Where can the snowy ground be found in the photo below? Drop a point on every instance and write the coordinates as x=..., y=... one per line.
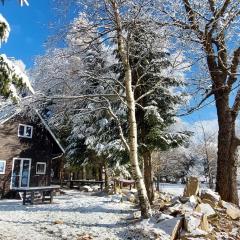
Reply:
x=69, y=217
x=75, y=214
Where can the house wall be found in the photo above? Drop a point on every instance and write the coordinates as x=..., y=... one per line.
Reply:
x=39, y=148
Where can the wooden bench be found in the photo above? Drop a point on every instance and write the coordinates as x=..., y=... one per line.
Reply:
x=124, y=182
x=46, y=193
x=84, y=182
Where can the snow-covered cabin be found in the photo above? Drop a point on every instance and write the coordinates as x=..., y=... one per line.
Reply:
x=30, y=154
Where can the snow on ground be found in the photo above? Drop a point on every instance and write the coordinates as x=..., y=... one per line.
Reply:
x=76, y=214
x=70, y=216
x=177, y=189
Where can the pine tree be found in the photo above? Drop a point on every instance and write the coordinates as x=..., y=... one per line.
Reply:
x=12, y=78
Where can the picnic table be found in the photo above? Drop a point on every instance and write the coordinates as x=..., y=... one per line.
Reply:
x=84, y=182
x=45, y=191
x=125, y=182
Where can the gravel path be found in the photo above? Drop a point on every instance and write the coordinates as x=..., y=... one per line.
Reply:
x=69, y=217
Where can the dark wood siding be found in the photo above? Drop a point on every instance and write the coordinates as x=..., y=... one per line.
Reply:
x=40, y=148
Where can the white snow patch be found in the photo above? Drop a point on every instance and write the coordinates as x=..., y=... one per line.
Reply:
x=70, y=216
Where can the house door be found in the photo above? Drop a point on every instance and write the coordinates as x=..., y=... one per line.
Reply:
x=21, y=172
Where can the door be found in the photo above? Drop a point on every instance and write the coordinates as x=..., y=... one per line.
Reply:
x=21, y=172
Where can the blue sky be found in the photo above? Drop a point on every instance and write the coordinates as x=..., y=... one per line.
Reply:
x=29, y=31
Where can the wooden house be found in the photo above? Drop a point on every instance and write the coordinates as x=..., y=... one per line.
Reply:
x=30, y=154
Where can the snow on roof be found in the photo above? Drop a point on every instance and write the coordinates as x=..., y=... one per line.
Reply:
x=9, y=111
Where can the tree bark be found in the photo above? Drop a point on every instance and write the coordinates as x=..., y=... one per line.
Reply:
x=106, y=177
x=133, y=145
x=148, y=175
x=226, y=183
x=142, y=193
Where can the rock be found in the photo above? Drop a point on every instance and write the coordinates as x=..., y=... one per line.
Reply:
x=192, y=221
x=223, y=204
x=212, y=204
x=233, y=212
x=117, y=198
x=210, y=197
x=171, y=227
x=131, y=198
x=58, y=222
x=204, y=225
x=137, y=215
x=183, y=199
x=85, y=237
x=176, y=207
x=197, y=234
x=206, y=209
x=134, y=191
x=86, y=188
x=164, y=217
x=95, y=188
x=165, y=197
x=192, y=187
x=193, y=200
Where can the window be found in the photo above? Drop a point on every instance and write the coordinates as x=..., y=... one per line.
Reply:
x=21, y=169
x=2, y=166
x=25, y=131
x=41, y=168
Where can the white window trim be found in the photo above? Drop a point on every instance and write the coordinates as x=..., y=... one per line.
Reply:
x=25, y=129
x=30, y=163
x=4, y=168
x=45, y=167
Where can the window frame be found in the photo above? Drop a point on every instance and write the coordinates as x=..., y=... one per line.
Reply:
x=4, y=167
x=25, y=130
x=20, y=173
x=45, y=168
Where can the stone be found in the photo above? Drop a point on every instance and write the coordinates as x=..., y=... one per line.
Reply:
x=117, y=198
x=137, y=215
x=208, y=201
x=192, y=221
x=206, y=209
x=224, y=204
x=85, y=237
x=165, y=197
x=58, y=222
x=86, y=188
x=131, y=198
x=211, y=197
x=204, y=225
x=96, y=188
x=164, y=217
x=134, y=191
x=183, y=199
x=197, y=234
x=192, y=187
x=193, y=201
x=233, y=212
x=171, y=227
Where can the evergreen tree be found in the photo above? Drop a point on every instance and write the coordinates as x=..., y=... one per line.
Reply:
x=12, y=78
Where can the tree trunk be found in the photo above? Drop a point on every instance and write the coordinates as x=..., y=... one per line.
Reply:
x=142, y=193
x=106, y=177
x=84, y=172
x=226, y=183
x=148, y=175
x=133, y=145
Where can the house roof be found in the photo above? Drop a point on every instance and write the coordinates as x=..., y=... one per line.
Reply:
x=50, y=131
x=9, y=111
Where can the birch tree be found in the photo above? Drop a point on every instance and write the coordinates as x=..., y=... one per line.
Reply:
x=108, y=19
x=209, y=30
